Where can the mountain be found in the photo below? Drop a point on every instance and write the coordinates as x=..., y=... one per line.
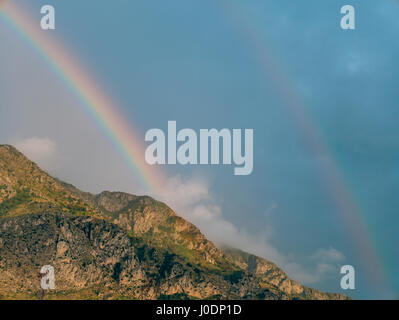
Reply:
x=116, y=245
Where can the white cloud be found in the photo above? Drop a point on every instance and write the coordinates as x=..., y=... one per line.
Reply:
x=321, y=264
x=328, y=255
x=40, y=150
x=191, y=200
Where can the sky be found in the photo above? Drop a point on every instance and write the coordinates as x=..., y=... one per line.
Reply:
x=322, y=101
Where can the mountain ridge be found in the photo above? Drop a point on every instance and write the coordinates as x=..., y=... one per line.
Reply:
x=160, y=254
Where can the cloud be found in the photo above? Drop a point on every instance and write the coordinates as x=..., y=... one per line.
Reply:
x=191, y=199
x=352, y=63
x=328, y=255
x=271, y=208
x=320, y=265
x=40, y=150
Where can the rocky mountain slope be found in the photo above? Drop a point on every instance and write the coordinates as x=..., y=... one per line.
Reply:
x=117, y=246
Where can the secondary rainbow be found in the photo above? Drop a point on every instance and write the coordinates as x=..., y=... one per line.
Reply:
x=99, y=106
x=348, y=208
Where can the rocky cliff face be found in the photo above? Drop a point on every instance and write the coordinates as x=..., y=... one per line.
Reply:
x=116, y=245
x=95, y=259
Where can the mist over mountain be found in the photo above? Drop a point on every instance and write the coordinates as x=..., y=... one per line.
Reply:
x=115, y=245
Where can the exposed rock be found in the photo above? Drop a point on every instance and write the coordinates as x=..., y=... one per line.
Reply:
x=117, y=246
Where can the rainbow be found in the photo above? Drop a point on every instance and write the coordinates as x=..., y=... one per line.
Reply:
x=99, y=106
x=128, y=143
x=347, y=207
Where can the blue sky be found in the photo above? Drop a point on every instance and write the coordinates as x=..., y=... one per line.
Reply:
x=212, y=64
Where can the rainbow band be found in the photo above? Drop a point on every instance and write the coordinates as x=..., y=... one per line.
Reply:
x=95, y=102
x=128, y=143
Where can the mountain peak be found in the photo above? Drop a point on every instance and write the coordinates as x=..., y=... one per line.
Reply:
x=25, y=188
x=10, y=156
